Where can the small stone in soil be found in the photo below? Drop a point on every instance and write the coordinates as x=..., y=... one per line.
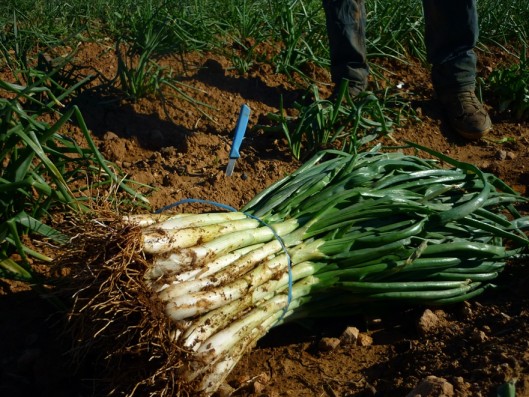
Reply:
x=350, y=335
x=328, y=344
x=501, y=154
x=109, y=136
x=479, y=336
x=433, y=386
x=169, y=151
x=364, y=340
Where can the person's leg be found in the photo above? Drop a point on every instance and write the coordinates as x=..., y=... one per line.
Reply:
x=451, y=33
x=346, y=30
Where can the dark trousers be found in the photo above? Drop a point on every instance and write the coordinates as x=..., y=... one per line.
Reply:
x=451, y=33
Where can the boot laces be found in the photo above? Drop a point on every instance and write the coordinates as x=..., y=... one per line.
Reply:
x=469, y=102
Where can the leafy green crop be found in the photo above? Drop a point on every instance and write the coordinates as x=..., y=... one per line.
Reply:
x=41, y=167
x=342, y=122
x=510, y=88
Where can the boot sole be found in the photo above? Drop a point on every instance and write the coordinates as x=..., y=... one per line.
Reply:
x=475, y=135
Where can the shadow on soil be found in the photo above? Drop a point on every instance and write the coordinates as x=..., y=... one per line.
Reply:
x=35, y=355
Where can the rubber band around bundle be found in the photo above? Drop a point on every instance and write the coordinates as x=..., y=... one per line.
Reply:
x=229, y=208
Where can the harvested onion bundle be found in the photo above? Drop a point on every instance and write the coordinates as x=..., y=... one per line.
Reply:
x=342, y=231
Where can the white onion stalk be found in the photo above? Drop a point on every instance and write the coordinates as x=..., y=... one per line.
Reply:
x=197, y=274
x=224, y=348
x=354, y=229
x=223, y=340
x=213, y=321
x=198, y=220
x=159, y=240
x=199, y=255
x=185, y=301
x=221, y=344
x=219, y=263
x=144, y=220
x=185, y=306
x=218, y=372
x=235, y=268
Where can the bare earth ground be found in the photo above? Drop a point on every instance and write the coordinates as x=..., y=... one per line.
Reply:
x=476, y=346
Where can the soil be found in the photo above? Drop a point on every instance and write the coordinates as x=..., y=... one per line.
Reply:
x=181, y=151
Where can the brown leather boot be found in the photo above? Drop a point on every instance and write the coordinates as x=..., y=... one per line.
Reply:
x=466, y=114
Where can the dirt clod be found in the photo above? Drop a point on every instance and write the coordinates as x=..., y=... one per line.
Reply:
x=364, y=340
x=479, y=336
x=328, y=344
x=433, y=386
x=428, y=322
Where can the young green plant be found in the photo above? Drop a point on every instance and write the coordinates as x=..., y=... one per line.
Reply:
x=40, y=166
x=340, y=122
x=509, y=87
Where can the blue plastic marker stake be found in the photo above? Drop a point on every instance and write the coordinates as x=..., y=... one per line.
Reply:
x=240, y=130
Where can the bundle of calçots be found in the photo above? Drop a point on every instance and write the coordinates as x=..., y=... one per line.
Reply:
x=341, y=233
